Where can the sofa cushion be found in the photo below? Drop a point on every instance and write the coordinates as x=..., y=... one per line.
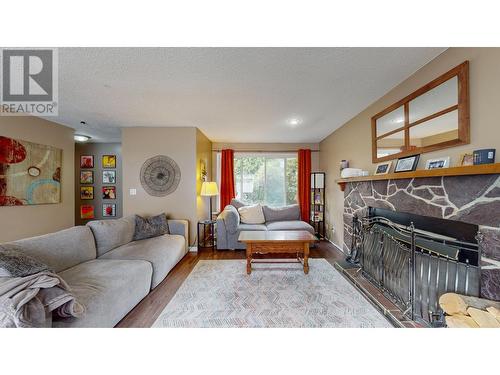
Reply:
x=285, y=213
x=150, y=227
x=252, y=214
x=162, y=252
x=59, y=250
x=290, y=225
x=108, y=289
x=252, y=227
x=109, y=234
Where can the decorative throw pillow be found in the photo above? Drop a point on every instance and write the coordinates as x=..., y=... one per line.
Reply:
x=236, y=203
x=252, y=214
x=286, y=213
x=14, y=263
x=151, y=227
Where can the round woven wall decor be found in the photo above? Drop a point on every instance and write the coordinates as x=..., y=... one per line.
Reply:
x=160, y=176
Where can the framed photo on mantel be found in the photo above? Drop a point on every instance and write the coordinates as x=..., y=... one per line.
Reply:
x=407, y=164
x=383, y=168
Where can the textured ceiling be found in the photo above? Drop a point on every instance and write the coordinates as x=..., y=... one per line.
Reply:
x=231, y=94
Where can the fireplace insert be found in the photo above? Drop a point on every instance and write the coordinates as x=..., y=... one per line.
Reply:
x=414, y=259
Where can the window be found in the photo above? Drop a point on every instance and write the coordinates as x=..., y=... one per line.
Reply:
x=266, y=178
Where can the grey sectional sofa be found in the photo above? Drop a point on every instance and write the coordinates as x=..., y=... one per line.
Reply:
x=229, y=224
x=108, y=272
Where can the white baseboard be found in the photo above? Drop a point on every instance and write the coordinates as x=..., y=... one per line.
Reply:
x=334, y=244
x=193, y=249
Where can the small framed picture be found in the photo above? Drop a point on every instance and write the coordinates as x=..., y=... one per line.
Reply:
x=109, y=177
x=383, y=168
x=87, y=161
x=109, y=210
x=86, y=192
x=437, y=163
x=86, y=177
x=407, y=164
x=109, y=161
x=86, y=211
x=467, y=159
x=109, y=192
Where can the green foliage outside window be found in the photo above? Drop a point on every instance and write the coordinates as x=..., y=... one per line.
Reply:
x=266, y=179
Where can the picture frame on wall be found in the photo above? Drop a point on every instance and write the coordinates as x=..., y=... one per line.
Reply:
x=86, y=192
x=109, y=210
x=109, y=192
x=109, y=161
x=109, y=177
x=86, y=211
x=87, y=161
x=86, y=177
x=383, y=168
x=438, y=163
x=407, y=164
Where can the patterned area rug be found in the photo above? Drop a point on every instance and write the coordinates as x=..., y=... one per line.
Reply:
x=219, y=293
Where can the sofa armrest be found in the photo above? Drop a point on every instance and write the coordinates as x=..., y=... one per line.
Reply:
x=231, y=219
x=179, y=227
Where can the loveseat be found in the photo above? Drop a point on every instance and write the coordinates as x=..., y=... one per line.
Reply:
x=107, y=271
x=229, y=223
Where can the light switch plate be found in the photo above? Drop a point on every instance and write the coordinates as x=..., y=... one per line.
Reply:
x=133, y=192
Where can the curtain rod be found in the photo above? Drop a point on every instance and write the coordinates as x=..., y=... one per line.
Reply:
x=263, y=151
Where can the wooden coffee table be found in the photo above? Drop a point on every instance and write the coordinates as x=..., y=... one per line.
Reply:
x=277, y=242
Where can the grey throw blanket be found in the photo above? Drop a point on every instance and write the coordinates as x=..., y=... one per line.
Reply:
x=31, y=301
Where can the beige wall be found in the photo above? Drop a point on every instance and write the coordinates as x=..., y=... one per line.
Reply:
x=19, y=222
x=353, y=140
x=138, y=145
x=203, y=152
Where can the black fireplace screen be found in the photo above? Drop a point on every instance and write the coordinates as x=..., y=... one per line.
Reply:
x=414, y=267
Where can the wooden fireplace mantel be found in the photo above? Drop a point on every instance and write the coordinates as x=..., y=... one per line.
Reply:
x=454, y=171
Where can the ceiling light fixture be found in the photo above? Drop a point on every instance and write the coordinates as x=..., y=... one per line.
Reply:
x=81, y=138
x=294, y=121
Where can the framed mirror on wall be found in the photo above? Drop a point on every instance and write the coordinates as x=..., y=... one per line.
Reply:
x=434, y=117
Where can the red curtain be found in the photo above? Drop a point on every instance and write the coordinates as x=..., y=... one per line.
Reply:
x=227, y=178
x=304, y=184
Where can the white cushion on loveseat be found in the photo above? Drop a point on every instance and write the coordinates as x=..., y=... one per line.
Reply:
x=252, y=214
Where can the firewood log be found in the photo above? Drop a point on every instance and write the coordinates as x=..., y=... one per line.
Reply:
x=453, y=304
x=483, y=318
x=460, y=321
x=495, y=312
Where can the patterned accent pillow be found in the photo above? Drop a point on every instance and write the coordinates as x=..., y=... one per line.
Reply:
x=151, y=227
x=14, y=263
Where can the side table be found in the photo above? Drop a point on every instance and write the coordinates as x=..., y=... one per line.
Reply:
x=207, y=234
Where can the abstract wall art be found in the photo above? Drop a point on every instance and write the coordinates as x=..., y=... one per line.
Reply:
x=30, y=173
x=109, y=161
x=86, y=192
x=109, y=210
x=87, y=161
x=160, y=176
x=86, y=211
x=86, y=177
x=108, y=192
x=108, y=177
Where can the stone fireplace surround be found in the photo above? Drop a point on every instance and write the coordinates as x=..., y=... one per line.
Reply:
x=472, y=199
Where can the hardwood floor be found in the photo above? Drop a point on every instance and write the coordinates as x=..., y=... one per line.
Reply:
x=148, y=310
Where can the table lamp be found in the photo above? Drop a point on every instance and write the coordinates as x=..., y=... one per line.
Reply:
x=209, y=189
